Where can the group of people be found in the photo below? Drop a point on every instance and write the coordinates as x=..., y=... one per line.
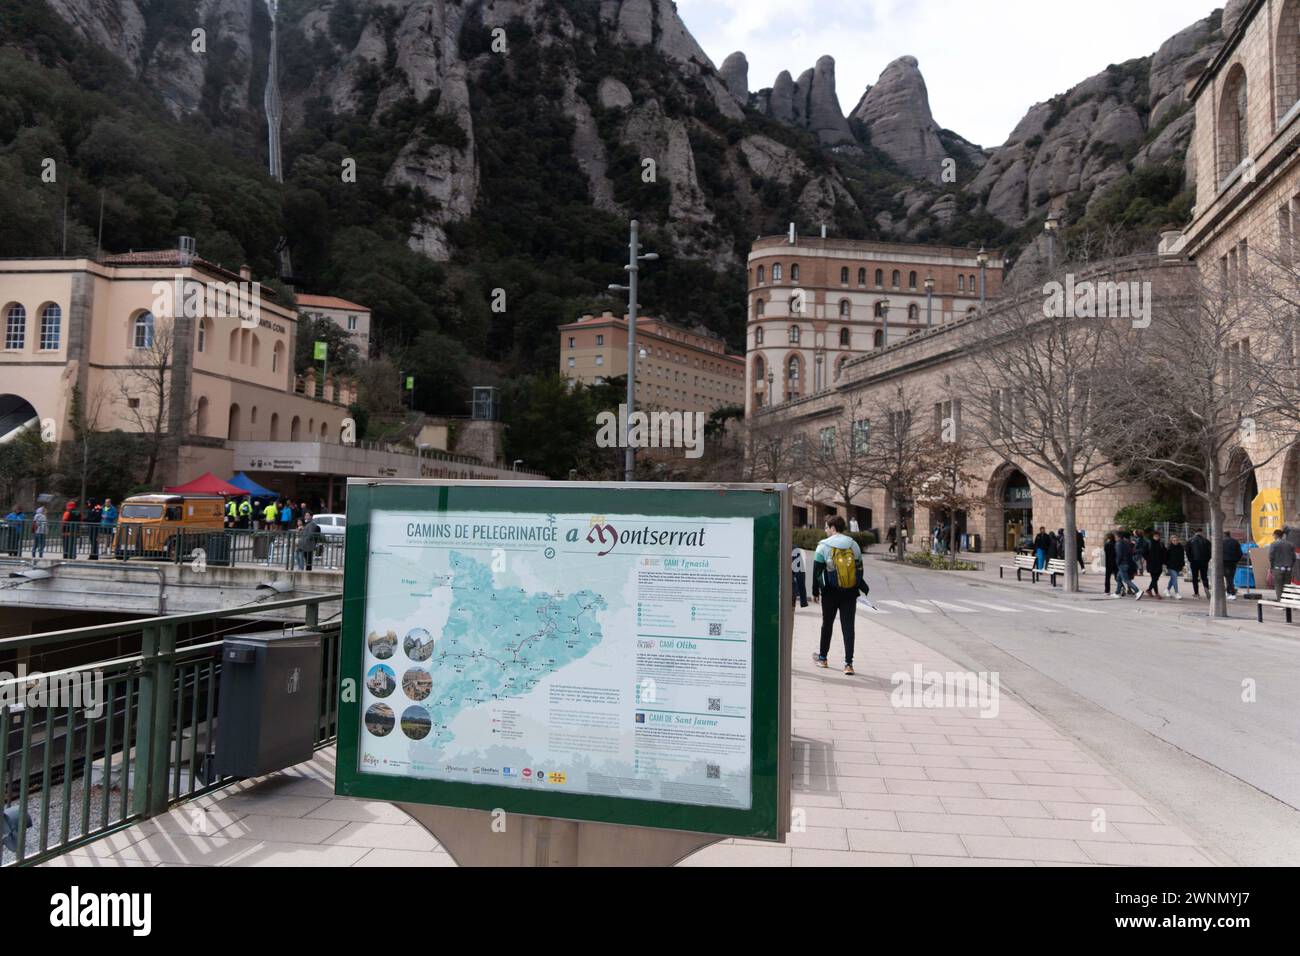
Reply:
x=279, y=514
x=1130, y=554
x=1051, y=547
x=97, y=523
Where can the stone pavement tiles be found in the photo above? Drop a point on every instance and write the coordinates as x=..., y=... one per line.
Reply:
x=874, y=785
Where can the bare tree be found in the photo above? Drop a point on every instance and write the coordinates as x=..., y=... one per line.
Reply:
x=85, y=414
x=838, y=454
x=894, y=461
x=1220, y=375
x=772, y=448
x=1037, y=386
x=143, y=392
x=949, y=479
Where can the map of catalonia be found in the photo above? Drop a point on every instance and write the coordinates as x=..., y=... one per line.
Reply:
x=499, y=642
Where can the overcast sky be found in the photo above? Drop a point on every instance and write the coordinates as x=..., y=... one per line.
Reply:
x=985, y=63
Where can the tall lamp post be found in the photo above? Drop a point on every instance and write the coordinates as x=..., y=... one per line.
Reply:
x=929, y=301
x=821, y=382
x=983, y=260
x=1051, y=227
x=771, y=384
x=634, y=258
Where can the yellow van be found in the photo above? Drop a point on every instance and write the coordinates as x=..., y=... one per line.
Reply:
x=148, y=524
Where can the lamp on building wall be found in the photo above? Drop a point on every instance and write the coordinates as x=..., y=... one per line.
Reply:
x=929, y=301
x=983, y=260
x=1051, y=227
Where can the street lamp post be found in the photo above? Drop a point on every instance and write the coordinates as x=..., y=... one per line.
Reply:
x=771, y=384
x=1050, y=227
x=929, y=301
x=983, y=260
x=821, y=382
x=634, y=258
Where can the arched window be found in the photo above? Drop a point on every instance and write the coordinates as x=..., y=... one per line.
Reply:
x=257, y=351
x=275, y=426
x=844, y=338
x=760, y=275
x=294, y=427
x=232, y=431
x=862, y=277
x=201, y=416
x=882, y=310
x=758, y=335
x=911, y=280
x=839, y=366
x=794, y=335
x=15, y=328
x=1234, y=136
x=277, y=356
x=880, y=278
x=1288, y=58
x=794, y=272
x=203, y=336
x=844, y=275
x=970, y=283
x=324, y=430
x=913, y=312
x=759, y=307
x=234, y=345
x=961, y=283
x=252, y=416
x=776, y=272
x=894, y=278
x=846, y=308
x=878, y=339
x=792, y=370
x=142, y=331
x=51, y=328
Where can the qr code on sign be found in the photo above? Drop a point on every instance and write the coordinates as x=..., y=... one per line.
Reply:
x=715, y=703
x=715, y=629
x=712, y=772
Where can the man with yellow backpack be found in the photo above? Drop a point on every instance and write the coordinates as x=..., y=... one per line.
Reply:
x=837, y=569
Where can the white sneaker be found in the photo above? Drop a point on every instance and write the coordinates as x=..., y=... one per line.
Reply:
x=1232, y=597
x=1140, y=595
x=1117, y=595
x=1177, y=596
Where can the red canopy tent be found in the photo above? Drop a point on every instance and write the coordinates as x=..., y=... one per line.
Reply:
x=207, y=484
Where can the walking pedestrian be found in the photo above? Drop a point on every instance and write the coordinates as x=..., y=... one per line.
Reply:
x=892, y=538
x=68, y=529
x=1198, y=563
x=800, y=592
x=14, y=531
x=40, y=525
x=1155, y=564
x=1126, y=567
x=1281, y=561
x=94, y=518
x=838, y=565
x=308, y=531
x=1108, y=550
x=1231, y=558
x=1141, y=547
x=1079, y=546
x=1175, y=561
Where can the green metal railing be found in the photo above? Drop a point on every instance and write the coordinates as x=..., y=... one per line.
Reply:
x=80, y=541
x=79, y=775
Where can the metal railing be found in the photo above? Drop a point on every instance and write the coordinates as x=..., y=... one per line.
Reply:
x=215, y=546
x=78, y=773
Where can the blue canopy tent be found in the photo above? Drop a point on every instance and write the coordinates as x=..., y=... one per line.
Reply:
x=242, y=480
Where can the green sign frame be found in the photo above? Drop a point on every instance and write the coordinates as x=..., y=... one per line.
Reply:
x=768, y=505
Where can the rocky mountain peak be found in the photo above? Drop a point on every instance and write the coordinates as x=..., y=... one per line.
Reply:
x=896, y=114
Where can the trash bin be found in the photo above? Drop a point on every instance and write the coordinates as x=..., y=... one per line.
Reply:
x=216, y=548
x=270, y=695
x=261, y=547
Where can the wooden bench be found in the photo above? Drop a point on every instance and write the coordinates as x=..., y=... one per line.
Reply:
x=1021, y=562
x=1290, y=602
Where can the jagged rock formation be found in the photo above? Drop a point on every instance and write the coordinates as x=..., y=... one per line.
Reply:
x=896, y=114
x=809, y=103
x=735, y=73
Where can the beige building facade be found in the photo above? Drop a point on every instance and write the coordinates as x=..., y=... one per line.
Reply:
x=678, y=369
x=351, y=318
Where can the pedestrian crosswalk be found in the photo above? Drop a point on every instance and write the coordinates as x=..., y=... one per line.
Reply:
x=965, y=606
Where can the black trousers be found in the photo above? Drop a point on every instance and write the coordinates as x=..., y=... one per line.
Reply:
x=1111, y=575
x=1155, y=571
x=843, y=602
x=800, y=588
x=1200, y=575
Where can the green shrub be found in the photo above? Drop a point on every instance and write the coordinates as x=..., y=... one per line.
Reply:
x=1148, y=514
x=937, y=562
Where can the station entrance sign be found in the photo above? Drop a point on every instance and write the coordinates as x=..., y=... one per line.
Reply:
x=608, y=653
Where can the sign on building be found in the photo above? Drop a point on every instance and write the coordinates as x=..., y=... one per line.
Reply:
x=607, y=653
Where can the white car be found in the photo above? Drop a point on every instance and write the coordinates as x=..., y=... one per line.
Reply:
x=332, y=525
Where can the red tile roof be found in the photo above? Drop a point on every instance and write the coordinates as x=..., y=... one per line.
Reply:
x=330, y=302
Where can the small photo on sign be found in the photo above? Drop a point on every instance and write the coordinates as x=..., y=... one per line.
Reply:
x=382, y=646
x=416, y=722
x=380, y=720
x=418, y=645
x=417, y=683
x=381, y=681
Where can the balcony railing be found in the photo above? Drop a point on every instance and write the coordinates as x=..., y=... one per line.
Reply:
x=78, y=775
